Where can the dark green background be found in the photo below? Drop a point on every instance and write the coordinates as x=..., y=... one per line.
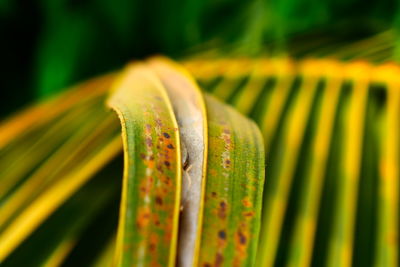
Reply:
x=48, y=45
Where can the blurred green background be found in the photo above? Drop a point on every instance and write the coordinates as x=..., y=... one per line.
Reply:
x=49, y=45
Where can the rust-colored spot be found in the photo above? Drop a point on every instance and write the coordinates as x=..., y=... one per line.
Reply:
x=151, y=164
x=166, y=135
x=167, y=163
x=227, y=162
x=248, y=214
x=213, y=172
x=213, y=194
x=246, y=202
x=222, y=234
x=168, y=230
x=166, y=180
x=170, y=146
x=159, y=200
x=146, y=184
x=153, y=242
x=143, y=217
x=206, y=265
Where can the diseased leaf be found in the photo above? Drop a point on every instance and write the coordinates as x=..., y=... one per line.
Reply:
x=234, y=185
x=190, y=111
x=148, y=226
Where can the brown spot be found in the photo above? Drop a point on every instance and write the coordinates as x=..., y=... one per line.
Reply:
x=206, y=265
x=167, y=180
x=222, y=210
x=170, y=146
x=153, y=242
x=213, y=194
x=159, y=200
x=242, y=238
x=159, y=167
x=166, y=135
x=146, y=184
x=148, y=141
x=219, y=259
x=248, y=214
x=222, y=234
x=167, y=163
x=142, y=155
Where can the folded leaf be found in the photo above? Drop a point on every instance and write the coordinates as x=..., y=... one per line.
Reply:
x=148, y=226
